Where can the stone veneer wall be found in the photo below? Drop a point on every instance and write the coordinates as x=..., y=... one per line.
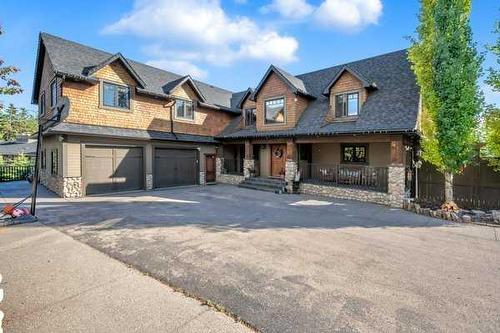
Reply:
x=225, y=178
x=346, y=193
x=202, y=178
x=394, y=197
x=149, y=181
x=66, y=187
x=291, y=168
x=247, y=166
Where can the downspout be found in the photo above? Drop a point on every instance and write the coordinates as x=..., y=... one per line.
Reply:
x=172, y=119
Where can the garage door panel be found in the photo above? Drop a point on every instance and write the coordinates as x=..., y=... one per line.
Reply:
x=174, y=167
x=111, y=169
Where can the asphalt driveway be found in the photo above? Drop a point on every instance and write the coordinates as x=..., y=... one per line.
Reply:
x=290, y=263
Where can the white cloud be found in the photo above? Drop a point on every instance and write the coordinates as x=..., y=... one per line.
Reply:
x=348, y=14
x=204, y=28
x=179, y=66
x=291, y=9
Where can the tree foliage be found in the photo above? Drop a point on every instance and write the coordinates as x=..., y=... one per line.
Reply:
x=447, y=67
x=15, y=121
x=8, y=85
x=491, y=130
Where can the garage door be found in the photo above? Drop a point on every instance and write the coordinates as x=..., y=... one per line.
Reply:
x=112, y=169
x=174, y=167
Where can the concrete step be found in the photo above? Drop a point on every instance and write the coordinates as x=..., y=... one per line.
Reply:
x=266, y=188
x=265, y=181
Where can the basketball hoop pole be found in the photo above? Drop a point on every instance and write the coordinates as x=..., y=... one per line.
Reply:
x=36, y=175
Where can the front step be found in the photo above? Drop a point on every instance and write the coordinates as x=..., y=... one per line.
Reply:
x=276, y=185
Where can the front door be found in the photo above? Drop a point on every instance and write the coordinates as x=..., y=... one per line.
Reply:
x=278, y=155
x=210, y=168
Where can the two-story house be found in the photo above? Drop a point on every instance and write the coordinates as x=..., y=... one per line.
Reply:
x=344, y=131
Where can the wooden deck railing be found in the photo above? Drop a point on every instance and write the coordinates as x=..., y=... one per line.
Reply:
x=232, y=166
x=355, y=176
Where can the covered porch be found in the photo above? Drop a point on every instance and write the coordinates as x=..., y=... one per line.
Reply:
x=362, y=167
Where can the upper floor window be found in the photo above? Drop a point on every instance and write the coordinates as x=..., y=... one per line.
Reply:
x=347, y=104
x=184, y=109
x=41, y=104
x=354, y=154
x=53, y=93
x=115, y=96
x=250, y=116
x=274, y=110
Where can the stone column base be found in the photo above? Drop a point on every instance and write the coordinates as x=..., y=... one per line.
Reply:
x=149, y=181
x=290, y=174
x=396, y=185
x=247, y=166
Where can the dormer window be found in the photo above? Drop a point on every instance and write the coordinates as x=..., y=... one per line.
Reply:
x=347, y=104
x=184, y=109
x=250, y=116
x=274, y=110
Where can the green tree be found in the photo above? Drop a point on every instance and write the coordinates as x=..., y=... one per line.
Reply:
x=21, y=160
x=15, y=121
x=8, y=86
x=450, y=90
x=491, y=130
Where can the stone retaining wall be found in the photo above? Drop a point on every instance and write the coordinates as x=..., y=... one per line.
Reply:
x=230, y=179
x=346, y=193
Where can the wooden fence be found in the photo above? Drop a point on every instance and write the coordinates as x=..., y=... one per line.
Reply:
x=478, y=187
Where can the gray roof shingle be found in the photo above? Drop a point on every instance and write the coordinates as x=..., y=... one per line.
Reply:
x=75, y=59
x=392, y=107
x=12, y=148
x=127, y=133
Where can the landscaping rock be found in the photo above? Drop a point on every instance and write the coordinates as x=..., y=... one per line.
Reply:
x=426, y=211
x=496, y=216
x=417, y=208
x=455, y=217
x=466, y=219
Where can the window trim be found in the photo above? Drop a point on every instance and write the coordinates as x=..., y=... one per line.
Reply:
x=245, y=116
x=52, y=95
x=43, y=159
x=192, y=106
x=354, y=145
x=41, y=108
x=346, y=94
x=54, y=167
x=114, y=108
x=284, y=109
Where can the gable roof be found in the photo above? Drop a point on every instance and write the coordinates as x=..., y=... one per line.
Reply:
x=392, y=107
x=170, y=87
x=360, y=77
x=294, y=83
x=73, y=60
x=116, y=57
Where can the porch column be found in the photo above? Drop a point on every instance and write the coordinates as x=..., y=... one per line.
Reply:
x=219, y=163
x=248, y=162
x=396, y=173
x=290, y=164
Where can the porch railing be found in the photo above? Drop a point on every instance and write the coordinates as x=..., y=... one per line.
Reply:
x=10, y=173
x=232, y=166
x=355, y=176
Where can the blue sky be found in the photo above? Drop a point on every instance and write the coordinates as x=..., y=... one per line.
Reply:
x=228, y=43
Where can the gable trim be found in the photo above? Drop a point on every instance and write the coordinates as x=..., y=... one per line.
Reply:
x=118, y=56
x=275, y=70
x=344, y=69
x=170, y=87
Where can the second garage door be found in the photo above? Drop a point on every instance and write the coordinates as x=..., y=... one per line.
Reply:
x=175, y=167
x=112, y=169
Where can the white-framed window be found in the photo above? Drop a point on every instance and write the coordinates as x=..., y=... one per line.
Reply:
x=115, y=96
x=41, y=104
x=184, y=109
x=53, y=93
x=347, y=104
x=274, y=110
